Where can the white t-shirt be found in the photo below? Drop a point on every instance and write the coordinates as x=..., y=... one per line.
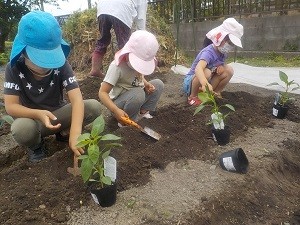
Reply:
x=125, y=10
x=122, y=78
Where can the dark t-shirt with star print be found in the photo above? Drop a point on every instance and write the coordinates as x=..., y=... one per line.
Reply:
x=46, y=93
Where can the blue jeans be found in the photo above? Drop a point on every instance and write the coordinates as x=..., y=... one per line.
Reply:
x=187, y=84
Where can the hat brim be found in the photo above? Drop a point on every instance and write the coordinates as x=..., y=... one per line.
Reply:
x=53, y=58
x=16, y=50
x=142, y=66
x=120, y=54
x=216, y=35
x=235, y=40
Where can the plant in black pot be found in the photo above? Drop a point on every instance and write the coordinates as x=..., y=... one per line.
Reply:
x=220, y=132
x=97, y=168
x=283, y=98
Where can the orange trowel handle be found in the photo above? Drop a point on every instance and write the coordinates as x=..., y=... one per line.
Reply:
x=128, y=122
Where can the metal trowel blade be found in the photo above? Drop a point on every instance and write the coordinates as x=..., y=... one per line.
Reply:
x=151, y=133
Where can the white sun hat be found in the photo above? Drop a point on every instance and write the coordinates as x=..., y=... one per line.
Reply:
x=229, y=27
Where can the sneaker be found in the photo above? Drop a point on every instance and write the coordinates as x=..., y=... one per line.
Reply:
x=146, y=115
x=195, y=101
x=37, y=153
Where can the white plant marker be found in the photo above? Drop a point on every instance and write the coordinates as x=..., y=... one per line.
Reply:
x=218, y=125
x=110, y=168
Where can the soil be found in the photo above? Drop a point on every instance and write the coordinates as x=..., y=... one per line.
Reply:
x=176, y=180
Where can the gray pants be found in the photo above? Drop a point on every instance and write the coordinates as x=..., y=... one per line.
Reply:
x=136, y=99
x=28, y=132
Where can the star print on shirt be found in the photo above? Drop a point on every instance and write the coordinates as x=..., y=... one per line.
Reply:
x=41, y=90
x=21, y=75
x=56, y=72
x=29, y=85
x=51, y=83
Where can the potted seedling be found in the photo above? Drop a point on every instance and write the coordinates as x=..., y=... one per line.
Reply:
x=220, y=131
x=97, y=168
x=282, y=99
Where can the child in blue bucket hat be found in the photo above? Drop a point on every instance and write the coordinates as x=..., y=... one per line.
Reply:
x=35, y=78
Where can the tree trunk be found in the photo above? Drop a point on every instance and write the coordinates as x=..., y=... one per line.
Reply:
x=89, y=4
x=3, y=37
x=2, y=44
x=42, y=5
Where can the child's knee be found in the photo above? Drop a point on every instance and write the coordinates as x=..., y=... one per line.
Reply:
x=93, y=107
x=25, y=131
x=158, y=84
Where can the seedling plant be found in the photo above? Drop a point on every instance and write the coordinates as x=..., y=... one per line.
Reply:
x=288, y=86
x=97, y=147
x=208, y=100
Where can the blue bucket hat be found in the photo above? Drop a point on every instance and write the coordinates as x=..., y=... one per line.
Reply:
x=40, y=35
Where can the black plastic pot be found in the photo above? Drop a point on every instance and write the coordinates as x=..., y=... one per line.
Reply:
x=234, y=161
x=105, y=196
x=221, y=136
x=279, y=111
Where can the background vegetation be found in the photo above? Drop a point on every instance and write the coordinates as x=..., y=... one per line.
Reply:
x=81, y=30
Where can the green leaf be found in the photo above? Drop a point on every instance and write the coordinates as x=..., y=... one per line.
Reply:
x=83, y=137
x=110, y=145
x=82, y=143
x=295, y=88
x=283, y=77
x=106, y=180
x=105, y=154
x=230, y=107
x=86, y=169
x=274, y=83
x=98, y=126
x=109, y=137
x=204, y=97
x=199, y=108
x=83, y=157
x=94, y=153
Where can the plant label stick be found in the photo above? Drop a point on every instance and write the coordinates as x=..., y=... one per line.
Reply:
x=110, y=168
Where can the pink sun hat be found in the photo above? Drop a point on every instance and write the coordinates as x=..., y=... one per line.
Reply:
x=141, y=48
x=229, y=27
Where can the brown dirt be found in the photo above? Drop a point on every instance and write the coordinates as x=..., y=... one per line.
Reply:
x=176, y=180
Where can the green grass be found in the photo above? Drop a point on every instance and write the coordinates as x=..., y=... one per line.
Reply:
x=271, y=60
x=4, y=57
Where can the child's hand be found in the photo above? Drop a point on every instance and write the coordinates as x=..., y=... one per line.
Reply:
x=203, y=87
x=149, y=88
x=120, y=113
x=72, y=144
x=220, y=70
x=45, y=117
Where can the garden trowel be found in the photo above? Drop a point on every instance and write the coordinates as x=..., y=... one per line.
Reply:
x=146, y=130
x=75, y=171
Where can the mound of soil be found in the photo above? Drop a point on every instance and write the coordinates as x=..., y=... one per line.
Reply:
x=176, y=180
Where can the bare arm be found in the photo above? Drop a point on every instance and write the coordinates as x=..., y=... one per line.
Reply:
x=77, y=105
x=199, y=73
x=15, y=109
x=105, y=88
x=149, y=88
